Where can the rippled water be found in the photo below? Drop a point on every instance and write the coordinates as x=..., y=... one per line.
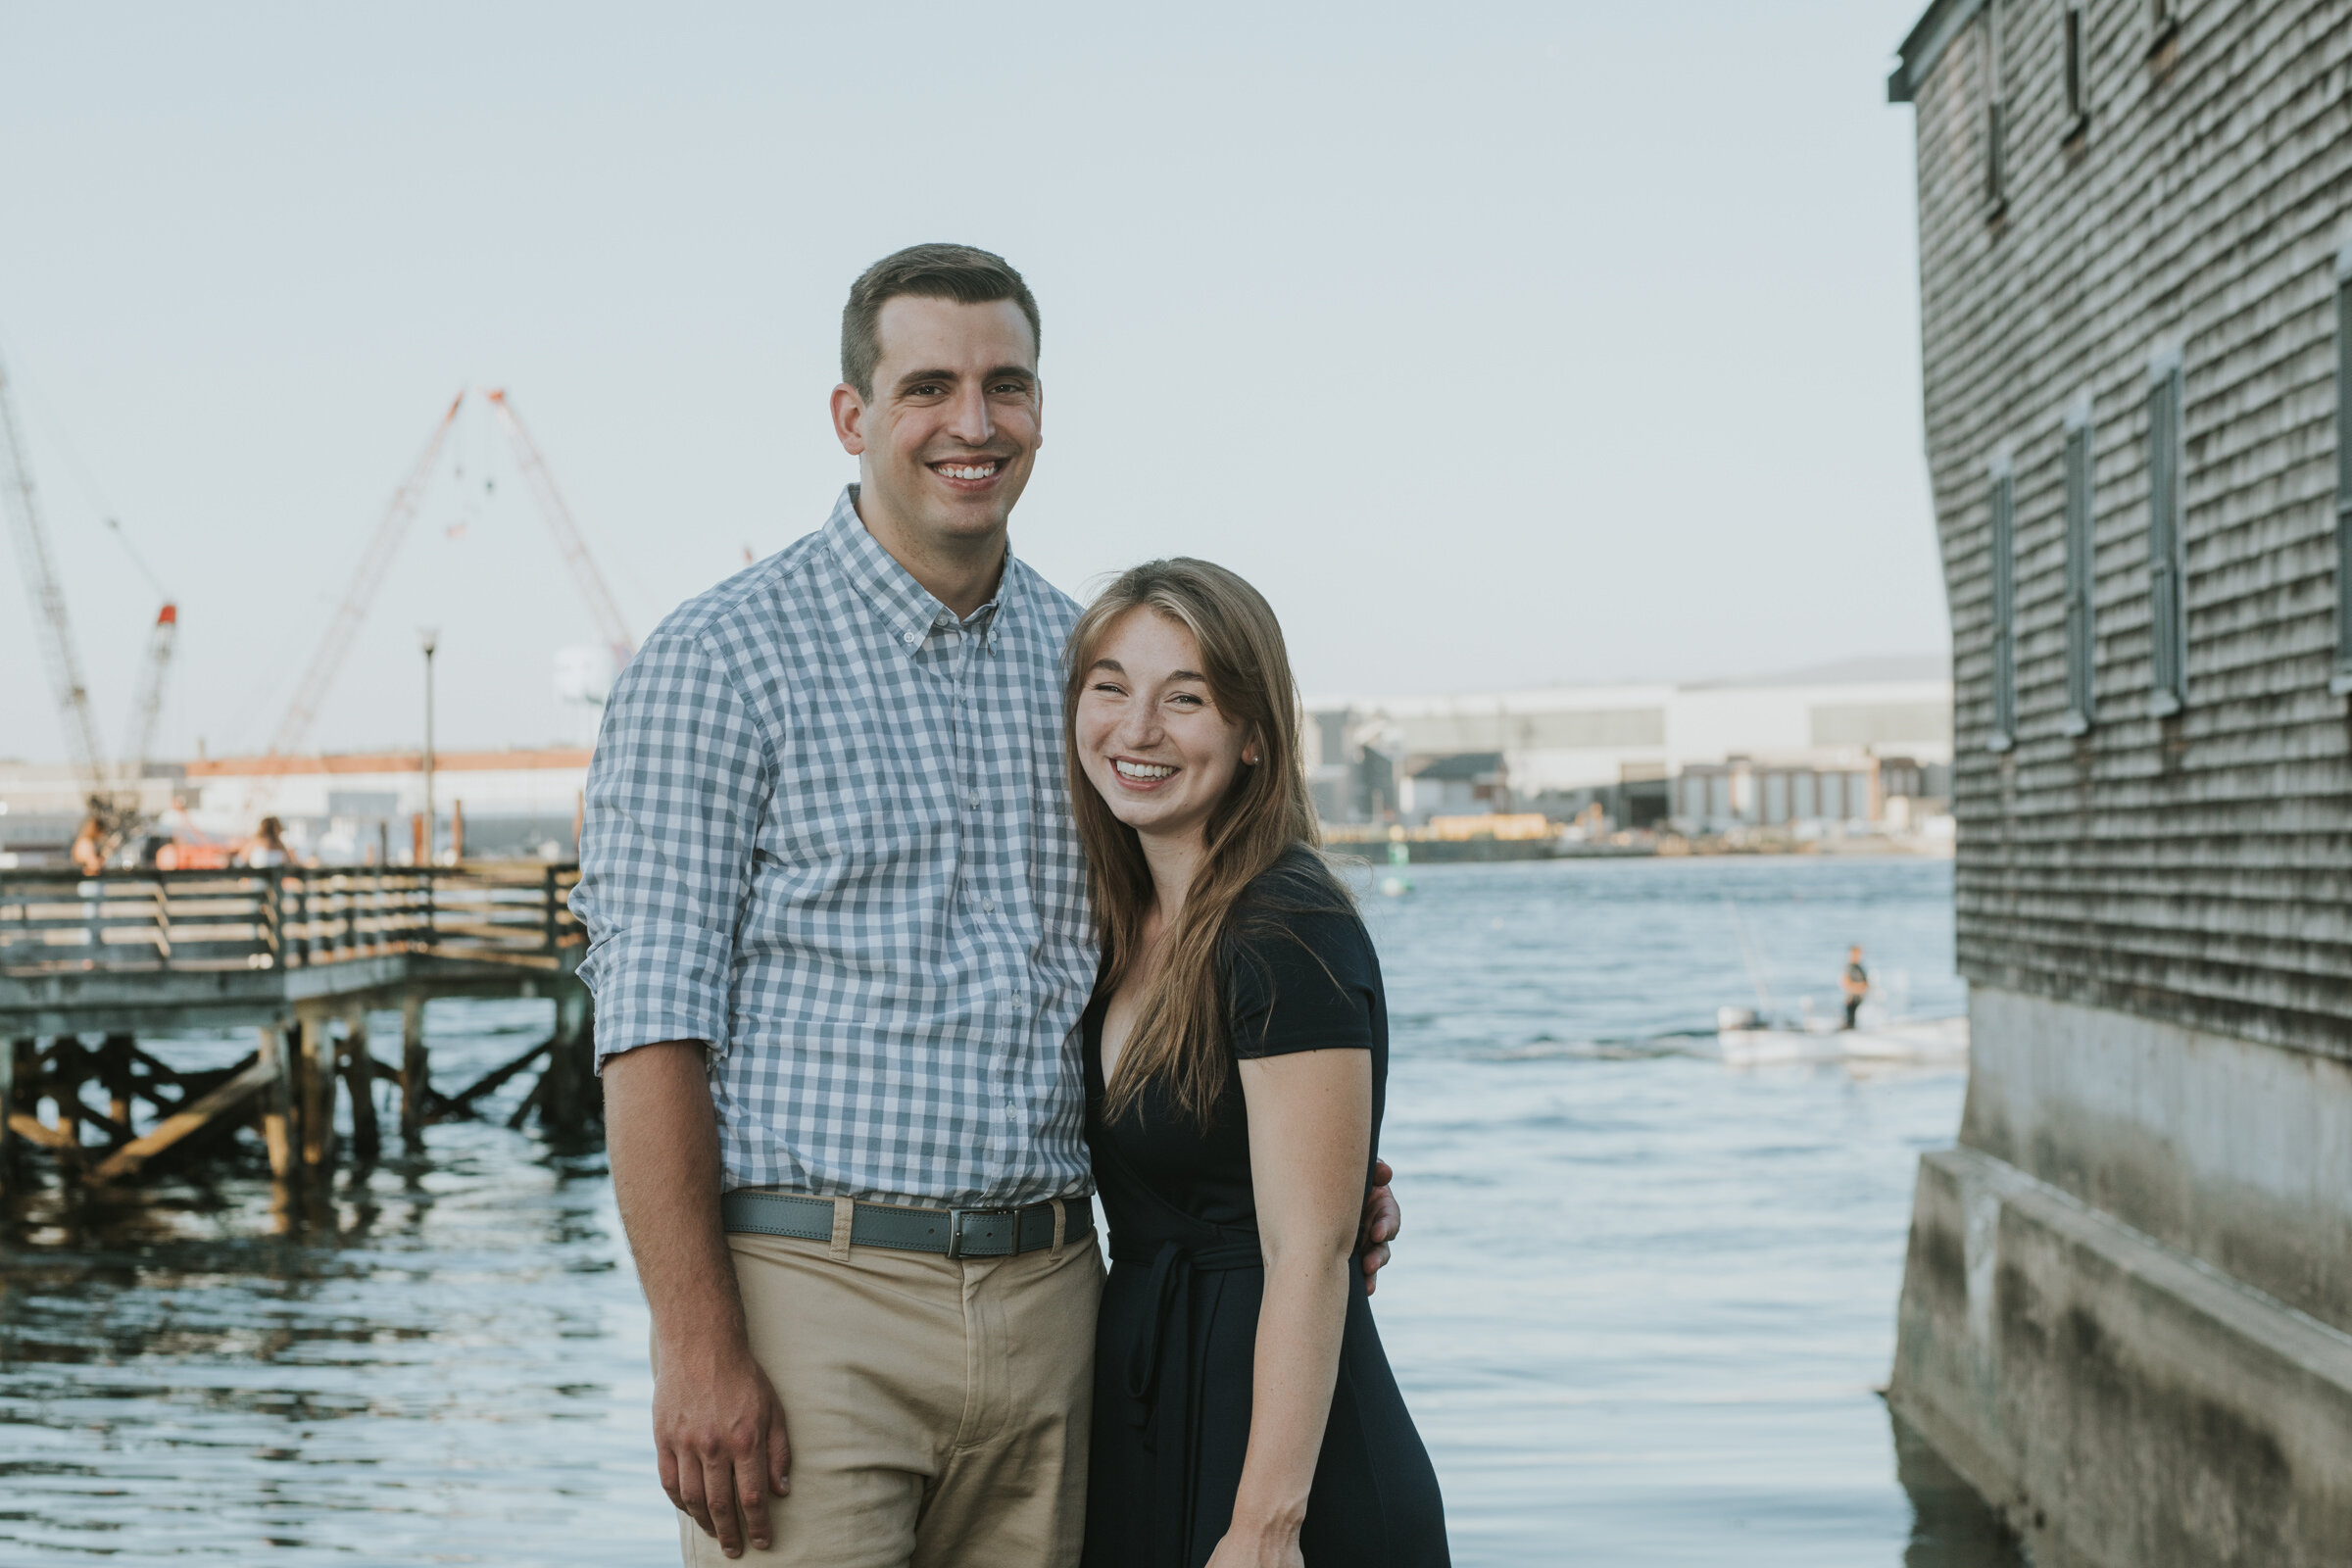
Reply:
x=1639, y=1309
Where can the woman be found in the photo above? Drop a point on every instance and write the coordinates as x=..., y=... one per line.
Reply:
x=1236, y=1056
x=267, y=846
x=89, y=849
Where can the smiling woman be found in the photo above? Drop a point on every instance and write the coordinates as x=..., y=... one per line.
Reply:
x=1236, y=1056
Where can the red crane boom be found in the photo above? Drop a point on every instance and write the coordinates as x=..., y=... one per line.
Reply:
x=147, y=702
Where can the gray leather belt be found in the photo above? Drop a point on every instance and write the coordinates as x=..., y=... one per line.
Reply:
x=952, y=1232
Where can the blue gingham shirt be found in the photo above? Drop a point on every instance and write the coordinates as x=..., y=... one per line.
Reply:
x=828, y=834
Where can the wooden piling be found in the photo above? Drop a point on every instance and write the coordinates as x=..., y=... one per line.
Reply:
x=359, y=1076
x=563, y=1108
x=10, y=1050
x=317, y=1096
x=278, y=1105
x=113, y=1070
x=69, y=1064
x=414, y=1075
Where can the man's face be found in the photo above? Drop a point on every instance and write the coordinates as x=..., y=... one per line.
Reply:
x=951, y=429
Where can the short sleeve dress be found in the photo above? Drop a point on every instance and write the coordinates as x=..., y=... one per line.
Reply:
x=1175, y=1344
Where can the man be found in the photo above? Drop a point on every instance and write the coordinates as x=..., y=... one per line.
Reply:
x=1855, y=983
x=840, y=947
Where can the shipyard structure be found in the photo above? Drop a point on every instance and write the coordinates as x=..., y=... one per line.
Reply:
x=2126, y=1314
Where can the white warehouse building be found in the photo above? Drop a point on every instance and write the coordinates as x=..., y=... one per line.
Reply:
x=1844, y=744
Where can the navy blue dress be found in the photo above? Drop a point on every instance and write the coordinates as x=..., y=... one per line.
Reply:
x=1178, y=1332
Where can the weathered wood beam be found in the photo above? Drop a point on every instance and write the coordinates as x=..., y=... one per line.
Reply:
x=162, y=1070
x=463, y=1100
x=126, y=1160
x=536, y=1099
x=33, y=1130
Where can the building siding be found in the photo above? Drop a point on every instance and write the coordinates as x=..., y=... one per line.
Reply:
x=2194, y=868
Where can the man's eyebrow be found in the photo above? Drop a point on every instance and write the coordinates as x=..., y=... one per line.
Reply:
x=1000, y=371
x=915, y=377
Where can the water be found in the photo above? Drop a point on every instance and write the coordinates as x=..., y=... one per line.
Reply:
x=1640, y=1307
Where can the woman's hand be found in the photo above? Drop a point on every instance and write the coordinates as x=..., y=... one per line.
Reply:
x=1258, y=1550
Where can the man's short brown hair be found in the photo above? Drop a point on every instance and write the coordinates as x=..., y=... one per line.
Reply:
x=960, y=272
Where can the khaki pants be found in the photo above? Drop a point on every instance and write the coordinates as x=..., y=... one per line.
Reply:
x=938, y=1409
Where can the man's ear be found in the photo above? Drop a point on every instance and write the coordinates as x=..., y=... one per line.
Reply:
x=849, y=419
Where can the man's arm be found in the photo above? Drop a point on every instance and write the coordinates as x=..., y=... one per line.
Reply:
x=681, y=775
x=718, y=1427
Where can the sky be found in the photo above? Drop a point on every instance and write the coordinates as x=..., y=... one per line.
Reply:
x=1499, y=346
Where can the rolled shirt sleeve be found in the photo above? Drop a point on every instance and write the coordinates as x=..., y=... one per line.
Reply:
x=681, y=774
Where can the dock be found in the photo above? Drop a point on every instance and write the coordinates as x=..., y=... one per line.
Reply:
x=91, y=965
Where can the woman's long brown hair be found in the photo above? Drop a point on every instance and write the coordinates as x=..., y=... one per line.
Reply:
x=1179, y=1037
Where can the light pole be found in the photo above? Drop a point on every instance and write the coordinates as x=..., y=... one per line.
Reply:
x=428, y=638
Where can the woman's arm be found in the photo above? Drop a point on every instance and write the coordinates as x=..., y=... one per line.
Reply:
x=1310, y=1140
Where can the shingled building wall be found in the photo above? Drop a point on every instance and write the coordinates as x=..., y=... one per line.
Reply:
x=2127, y=1312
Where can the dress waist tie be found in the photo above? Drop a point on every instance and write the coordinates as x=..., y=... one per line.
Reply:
x=1162, y=1384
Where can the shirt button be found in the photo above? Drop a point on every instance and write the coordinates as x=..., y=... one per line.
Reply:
x=988, y=905
x=975, y=802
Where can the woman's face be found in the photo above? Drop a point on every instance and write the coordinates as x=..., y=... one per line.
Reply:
x=1150, y=736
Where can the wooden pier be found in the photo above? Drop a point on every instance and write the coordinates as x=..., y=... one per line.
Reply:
x=301, y=956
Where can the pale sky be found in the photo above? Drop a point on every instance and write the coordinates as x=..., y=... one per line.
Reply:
x=1499, y=345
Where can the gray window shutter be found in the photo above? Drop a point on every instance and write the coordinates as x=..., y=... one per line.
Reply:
x=2004, y=607
x=1996, y=115
x=2167, y=596
x=2081, y=636
x=2342, y=681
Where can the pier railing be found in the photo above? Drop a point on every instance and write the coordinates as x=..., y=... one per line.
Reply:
x=290, y=917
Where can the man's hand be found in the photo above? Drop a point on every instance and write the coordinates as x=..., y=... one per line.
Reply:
x=719, y=1432
x=1382, y=1219
x=718, y=1427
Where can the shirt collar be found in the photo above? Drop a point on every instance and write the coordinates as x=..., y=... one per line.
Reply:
x=904, y=606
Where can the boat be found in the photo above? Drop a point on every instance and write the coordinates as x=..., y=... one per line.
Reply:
x=1745, y=1038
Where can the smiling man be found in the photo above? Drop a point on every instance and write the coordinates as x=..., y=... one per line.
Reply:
x=840, y=948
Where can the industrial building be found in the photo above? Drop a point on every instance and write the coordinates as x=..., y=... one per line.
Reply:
x=1850, y=746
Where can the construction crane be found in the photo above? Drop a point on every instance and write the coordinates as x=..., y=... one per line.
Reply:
x=147, y=698
x=147, y=701
x=370, y=576
x=591, y=583
x=51, y=626
x=361, y=592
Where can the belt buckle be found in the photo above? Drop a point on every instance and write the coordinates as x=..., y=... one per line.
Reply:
x=955, y=1219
